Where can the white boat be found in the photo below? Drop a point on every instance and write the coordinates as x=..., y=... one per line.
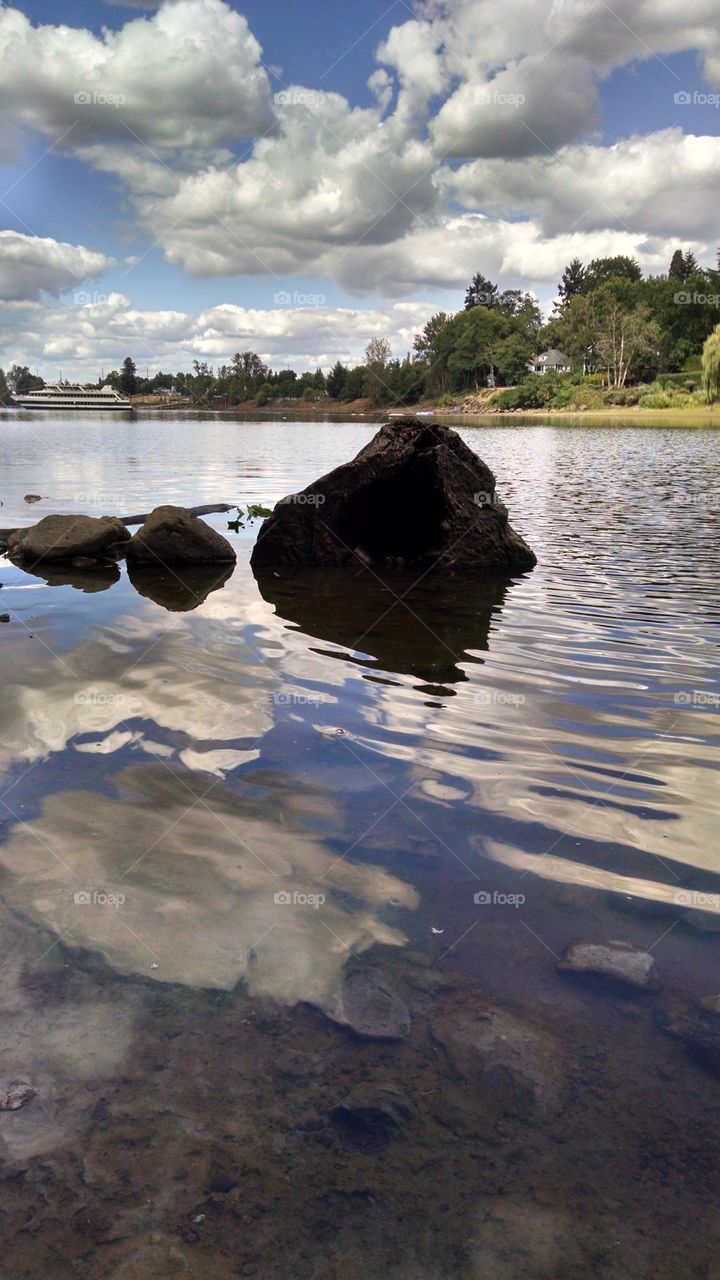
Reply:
x=66, y=395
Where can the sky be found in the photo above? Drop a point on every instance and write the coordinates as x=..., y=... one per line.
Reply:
x=184, y=180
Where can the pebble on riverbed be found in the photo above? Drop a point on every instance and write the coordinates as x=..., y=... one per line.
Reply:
x=15, y=1095
x=378, y=1109
x=618, y=961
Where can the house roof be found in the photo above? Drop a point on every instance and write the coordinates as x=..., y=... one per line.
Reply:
x=553, y=357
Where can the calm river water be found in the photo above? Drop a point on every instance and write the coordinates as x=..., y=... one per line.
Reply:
x=218, y=793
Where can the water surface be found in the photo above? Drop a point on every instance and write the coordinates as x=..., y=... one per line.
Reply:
x=210, y=780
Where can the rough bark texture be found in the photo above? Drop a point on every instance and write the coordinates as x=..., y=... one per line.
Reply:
x=172, y=535
x=415, y=496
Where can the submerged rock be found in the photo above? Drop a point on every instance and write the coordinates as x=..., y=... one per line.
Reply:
x=515, y=1068
x=697, y=1023
x=173, y=535
x=618, y=961
x=91, y=539
x=377, y=1109
x=368, y=1005
x=15, y=1095
x=415, y=495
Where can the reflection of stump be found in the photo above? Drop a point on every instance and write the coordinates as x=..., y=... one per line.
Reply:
x=179, y=588
x=422, y=629
x=415, y=496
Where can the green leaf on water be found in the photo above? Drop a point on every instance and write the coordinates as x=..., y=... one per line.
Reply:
x=255, y=511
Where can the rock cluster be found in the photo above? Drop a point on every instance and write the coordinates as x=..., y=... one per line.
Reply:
x=169, y=536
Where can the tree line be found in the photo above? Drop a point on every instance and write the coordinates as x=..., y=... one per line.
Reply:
x=608, y=319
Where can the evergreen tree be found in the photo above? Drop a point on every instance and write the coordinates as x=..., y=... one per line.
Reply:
x=336, y=380
x=677, y=266
x=481, y=292
x=572, y=281
x=128, y=377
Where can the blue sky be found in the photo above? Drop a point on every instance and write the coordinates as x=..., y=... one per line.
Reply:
x=206, y=212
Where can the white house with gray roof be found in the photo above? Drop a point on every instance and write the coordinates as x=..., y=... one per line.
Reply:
x=551, y=362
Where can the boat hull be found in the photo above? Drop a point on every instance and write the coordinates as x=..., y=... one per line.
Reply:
x=73, y=408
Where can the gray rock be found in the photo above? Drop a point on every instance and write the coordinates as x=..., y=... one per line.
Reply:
x=618, y=961
x=515, y=1068
x=697, y=1023
x=98, y=539
x=701, y=921
x=378, y=1109
x=415, y=496
x=173, y=535
x=369, y=1006
x=32, y=497
x=15, y=1095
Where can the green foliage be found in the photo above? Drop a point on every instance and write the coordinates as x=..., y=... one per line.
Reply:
x=336, y=380
x=127, y=382
x=255, y=511
x=550, y=391
x=711, y=367
x=20, y=380
x=604, y=269
x=354, y=383
x=624, y=396
x=655, y=400
x=536, y=392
